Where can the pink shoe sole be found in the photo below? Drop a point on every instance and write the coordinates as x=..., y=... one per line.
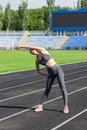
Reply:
x=66, y=110
x=38, y=110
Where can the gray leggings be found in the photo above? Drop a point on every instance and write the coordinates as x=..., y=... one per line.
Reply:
x=55, y=71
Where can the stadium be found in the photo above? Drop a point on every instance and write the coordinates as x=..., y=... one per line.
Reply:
x=68, y=30
x=63, y=33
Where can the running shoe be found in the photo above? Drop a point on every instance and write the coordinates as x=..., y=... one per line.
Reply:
x=66, y=110
x=38, y=109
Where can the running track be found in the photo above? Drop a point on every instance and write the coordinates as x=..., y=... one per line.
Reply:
x=20, y=92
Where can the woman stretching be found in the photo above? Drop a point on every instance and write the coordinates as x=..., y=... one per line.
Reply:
x=54, y=71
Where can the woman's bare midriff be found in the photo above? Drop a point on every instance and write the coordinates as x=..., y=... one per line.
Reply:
x=50, y=63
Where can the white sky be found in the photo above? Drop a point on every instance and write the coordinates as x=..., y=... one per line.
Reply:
x=38, y=3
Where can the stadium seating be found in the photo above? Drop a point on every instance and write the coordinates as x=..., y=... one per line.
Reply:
x=45, y=41
x=8, y=42
x=48, y=42
x=75, y=42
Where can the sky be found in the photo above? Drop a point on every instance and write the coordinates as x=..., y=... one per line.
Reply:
x=38, y=3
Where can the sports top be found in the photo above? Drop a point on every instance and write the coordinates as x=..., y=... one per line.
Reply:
x=44, y=59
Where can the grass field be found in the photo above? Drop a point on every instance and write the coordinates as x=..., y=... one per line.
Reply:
x=23, y=60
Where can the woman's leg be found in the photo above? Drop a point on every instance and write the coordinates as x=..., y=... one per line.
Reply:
x=60, y=77
x=49, y=83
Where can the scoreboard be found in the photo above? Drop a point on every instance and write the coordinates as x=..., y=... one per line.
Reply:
x=69, y=20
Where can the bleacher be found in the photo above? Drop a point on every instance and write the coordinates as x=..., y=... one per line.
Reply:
x=75, y=42
x=50, y=42
x=7, y=42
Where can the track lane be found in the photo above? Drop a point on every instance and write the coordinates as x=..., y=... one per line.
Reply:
x=29, y=118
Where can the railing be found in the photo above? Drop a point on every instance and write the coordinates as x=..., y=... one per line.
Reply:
x=32, y=33
x=11, y=33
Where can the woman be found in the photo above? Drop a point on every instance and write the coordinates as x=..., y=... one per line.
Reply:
x=54, y=70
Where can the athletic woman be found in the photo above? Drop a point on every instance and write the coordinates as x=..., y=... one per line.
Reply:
x=54, y=71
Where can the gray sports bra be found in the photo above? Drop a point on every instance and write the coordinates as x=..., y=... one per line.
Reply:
x=44, y=59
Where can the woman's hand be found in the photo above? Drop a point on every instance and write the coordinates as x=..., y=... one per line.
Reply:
x=43, y=73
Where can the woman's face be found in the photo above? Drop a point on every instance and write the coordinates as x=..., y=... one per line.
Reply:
x=34, y=52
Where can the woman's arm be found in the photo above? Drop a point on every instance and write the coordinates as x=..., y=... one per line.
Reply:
x=39, y=49
x=39, y=71
x=32, y=47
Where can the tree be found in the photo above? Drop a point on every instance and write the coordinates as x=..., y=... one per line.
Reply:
x=1, y=17
x=23, y=14
x=35, y=21
x=46, y=18
x=50, y=3
x=27, y=19
x=7, y=17
x=82, y=4
x=14, y=20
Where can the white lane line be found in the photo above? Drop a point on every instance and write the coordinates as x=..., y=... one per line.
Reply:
x=10, y=116
x=67, y=64
x=35, y=91
x=76, y=72
x=78, y=90
x=70, y=119
x=76, y=79
x=21, y=95
x=18, y=113
x=16, y=86
x=37, y=74
x=75, y=63
x=75, y=67
x=18, y=78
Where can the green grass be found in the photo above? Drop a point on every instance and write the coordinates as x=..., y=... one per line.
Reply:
x=23, y=60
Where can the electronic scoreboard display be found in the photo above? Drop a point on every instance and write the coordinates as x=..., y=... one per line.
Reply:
x=69, y=20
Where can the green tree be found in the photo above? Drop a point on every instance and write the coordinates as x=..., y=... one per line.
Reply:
x=35, y=21
x=14, y=20
x=50, y=3
x=23, y=15
x=1, y=17
x=6, y=22
x=82, y=4
x=46, y=17
x=27, y=19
